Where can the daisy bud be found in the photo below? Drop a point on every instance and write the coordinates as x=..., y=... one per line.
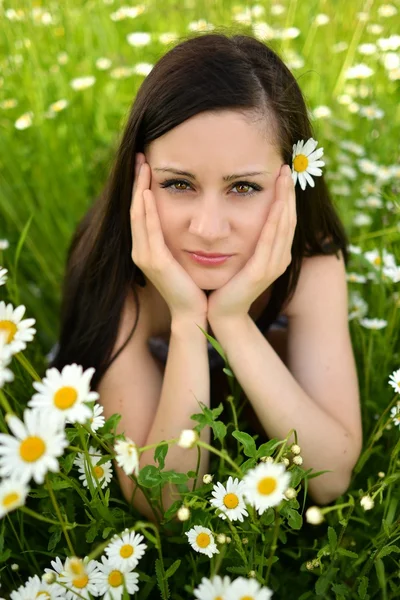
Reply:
x=245, y=540
x=290, y=493
x=316, y=563
x=207, y=478
x=298, y=460
x=49, y=578
x=367, y=502
x=183, y=513
x=14, y=567
x=381, y=474
x=286, y=461
x=267, y=459
x=309, y=565
x=188, y=438
x=314, y=515
x=221, y=538
x=251, y=574
x=228, y=539
x=295, y=449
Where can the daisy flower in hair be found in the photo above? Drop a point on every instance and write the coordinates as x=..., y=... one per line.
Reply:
x=305, y=162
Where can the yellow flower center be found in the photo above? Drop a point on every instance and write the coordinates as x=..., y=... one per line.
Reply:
x=231, y=500
x=115, y=578
x=98, y=471
x=300, y=163
x=203, y=540
x=76, y=566
x=246, y=598
x=32, y=448
x=10, y=499
x=80, y=582
x=377, y=260
x=10, y=329
x=45, y=594
x=267, y=485
x=126, y=551
x=65, y=397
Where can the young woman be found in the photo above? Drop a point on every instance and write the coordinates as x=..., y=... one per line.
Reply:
x=213, y=128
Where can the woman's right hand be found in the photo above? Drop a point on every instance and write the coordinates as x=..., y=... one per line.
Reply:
x=151, y=255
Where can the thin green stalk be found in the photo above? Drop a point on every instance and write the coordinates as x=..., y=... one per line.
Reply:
x=274, y=544
x=37, y=567
x=5, y=404
x=36, y=515
x=223, y=455
x=57, y=509
x=27, y=366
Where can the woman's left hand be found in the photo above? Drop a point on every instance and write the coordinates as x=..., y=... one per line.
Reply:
x=270, y=260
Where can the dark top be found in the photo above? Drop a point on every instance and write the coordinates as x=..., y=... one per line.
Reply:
x=159, y=347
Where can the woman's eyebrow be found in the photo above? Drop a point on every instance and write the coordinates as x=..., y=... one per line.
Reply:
x=225, y=178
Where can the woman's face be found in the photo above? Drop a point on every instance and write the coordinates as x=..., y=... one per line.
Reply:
x=204, y=212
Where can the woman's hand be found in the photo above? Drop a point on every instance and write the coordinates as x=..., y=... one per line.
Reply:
x=151, y=255
x=270, y=260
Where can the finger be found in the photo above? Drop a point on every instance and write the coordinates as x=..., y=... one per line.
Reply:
x=156, y=241
x=140, y=243
x=282, y=242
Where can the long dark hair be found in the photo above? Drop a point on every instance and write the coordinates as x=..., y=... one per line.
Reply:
x=202, y=72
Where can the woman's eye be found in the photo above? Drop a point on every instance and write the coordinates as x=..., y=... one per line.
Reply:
x=174, y=182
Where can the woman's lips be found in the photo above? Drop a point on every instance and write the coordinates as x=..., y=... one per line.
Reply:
x=206, y=260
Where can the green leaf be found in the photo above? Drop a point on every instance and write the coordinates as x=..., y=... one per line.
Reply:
x=388, y=550
x=92, y=532
x=249, y=445
x=322, y=583
x=111, y=423
x=268, y=517
x=174, y=567
x=228, y=372
x=363, y=586
x=215, y=344
x=161, y=580
x=295, y=520
x=172, y=509
x=332, y=537
x=173, y=477
x=54, y=539
x=6, y=555
x=237, y=570
x=348, y=553
x=380, y=573
x=160, y=453
x=219, y=429
x=149, y=476
x=267, y=448
x=106, y=532
x=340, y=589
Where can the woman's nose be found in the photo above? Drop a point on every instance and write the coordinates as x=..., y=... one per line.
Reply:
x=210, y=224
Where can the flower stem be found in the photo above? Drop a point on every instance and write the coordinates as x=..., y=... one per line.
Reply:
x=5, y=404
x=57, y=509
x=223, y=455
x=27, y=366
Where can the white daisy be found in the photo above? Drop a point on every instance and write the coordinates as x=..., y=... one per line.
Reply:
x=13, y=494
x=358, y=307
x=373, y=323
x=356, y=278
x=55, y=572
x=113, y=581
x=395, y=414
x=80, y=576
x=375, y=258
x=3, y=276
x=125, y=551
x=102, y=473
x=265, y=485
x=32, y=452
x=64, y=394
x=305, y=162
x=202, y=540
x=229, y=500
x=4, y=244
x=247, y=588
x=5, y=359
x=394, y=380
x=367, y=502
x=34, y=588
x=97, y=420
x=18, y=332
x=127, y=456
x=212, y=589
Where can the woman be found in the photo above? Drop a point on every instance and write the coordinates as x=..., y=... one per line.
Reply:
x=211, y=110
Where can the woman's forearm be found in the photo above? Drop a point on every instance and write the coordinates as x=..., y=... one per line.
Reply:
x=186, y=381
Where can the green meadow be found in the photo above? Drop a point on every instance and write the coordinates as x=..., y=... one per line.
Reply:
x=69, y=72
